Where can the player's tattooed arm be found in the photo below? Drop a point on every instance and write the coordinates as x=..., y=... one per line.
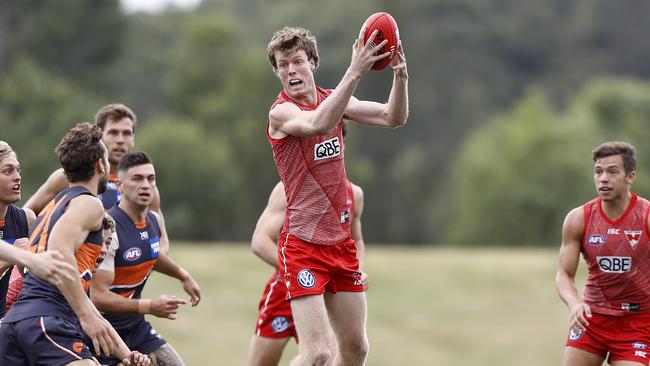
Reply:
x=166, y=356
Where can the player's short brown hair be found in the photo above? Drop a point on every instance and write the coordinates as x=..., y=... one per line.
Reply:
x=79, y=151
x=5, y=150
x=289, y=39
x=625, y=150
x=114, y=112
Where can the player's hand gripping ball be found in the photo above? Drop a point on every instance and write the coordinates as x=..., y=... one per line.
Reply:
x=387, y=29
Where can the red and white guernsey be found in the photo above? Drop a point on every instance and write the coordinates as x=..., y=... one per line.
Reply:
x=312, y=170
x=617, y=254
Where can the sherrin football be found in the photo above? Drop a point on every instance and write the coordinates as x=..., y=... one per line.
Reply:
x=387, y=27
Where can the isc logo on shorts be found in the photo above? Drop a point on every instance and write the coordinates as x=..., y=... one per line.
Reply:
x=306, y=279
x=279, y=324
x=132, y=254
x=327, y=149
x=612, y=264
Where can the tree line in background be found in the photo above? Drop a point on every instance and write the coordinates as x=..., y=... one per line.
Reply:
x=507, y=100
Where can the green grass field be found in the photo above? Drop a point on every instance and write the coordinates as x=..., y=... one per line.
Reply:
x=427, y=306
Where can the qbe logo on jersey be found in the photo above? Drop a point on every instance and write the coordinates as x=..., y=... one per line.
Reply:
x=327, y=149
x=612, y=264
x=306, y=278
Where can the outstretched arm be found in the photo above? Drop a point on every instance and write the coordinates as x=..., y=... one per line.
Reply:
x=395, y=112
x=572, y=231
x=166, y=265
x=269, y=226
x=54, y=184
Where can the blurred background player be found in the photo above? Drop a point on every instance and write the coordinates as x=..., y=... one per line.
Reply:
x=118, y=284
x=14, y=230
x=118, y=123
x=14, y=221
x=612, y=319
x=316, y=252
x=44, y=326
x=275, y=322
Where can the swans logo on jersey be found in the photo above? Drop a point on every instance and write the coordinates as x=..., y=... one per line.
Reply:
x=327, y=149
x=633, y=237
x=306, y=279
x=613, y=264
x=345, y=216
x=575, y=335
x=132, y=254
x=279, y=324
x=596, y=239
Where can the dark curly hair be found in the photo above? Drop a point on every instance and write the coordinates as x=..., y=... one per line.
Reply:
x=79, y=151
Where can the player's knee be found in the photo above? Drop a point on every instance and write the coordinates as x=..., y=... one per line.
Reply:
x=355, y=351
x=319, y=356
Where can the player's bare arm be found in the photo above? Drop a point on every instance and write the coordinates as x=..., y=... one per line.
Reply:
x=50, y=266
x=287, y=119
x=269, y=226
x=83, y=215
x=392, y=114
x=166, y=355
x=357, y=232
x=572, y=231
x=166, y=265
x=54, y=184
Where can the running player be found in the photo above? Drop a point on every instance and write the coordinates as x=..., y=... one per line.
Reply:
x=612, y=319
x=118, y=123
x=317, y=254
x=44, y=327
x=275, y=322
x=118, y=284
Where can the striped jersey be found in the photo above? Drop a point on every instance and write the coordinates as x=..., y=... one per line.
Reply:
x=136, y=252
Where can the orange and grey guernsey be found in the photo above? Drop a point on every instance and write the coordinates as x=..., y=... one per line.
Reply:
x=137, y=253
x=618, y=257
x=13, y=226
x=38, y=297
x=312, y=170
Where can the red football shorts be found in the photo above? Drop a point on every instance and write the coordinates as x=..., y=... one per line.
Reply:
x=625, y=338
x=275, y=319
x=312, y=269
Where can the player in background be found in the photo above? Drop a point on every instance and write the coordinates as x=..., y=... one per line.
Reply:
x=612, y=318
x=14, y=226
x=275, y=322
x=14, y=221
x=118, y=123
x=118, y=284
x=45, y=325
x=316, y=252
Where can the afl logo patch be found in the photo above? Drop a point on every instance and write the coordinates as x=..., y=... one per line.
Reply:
x=596, y=239
x=132, y=254
x=575, y=335
x=306, y=279
x=280, y=324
